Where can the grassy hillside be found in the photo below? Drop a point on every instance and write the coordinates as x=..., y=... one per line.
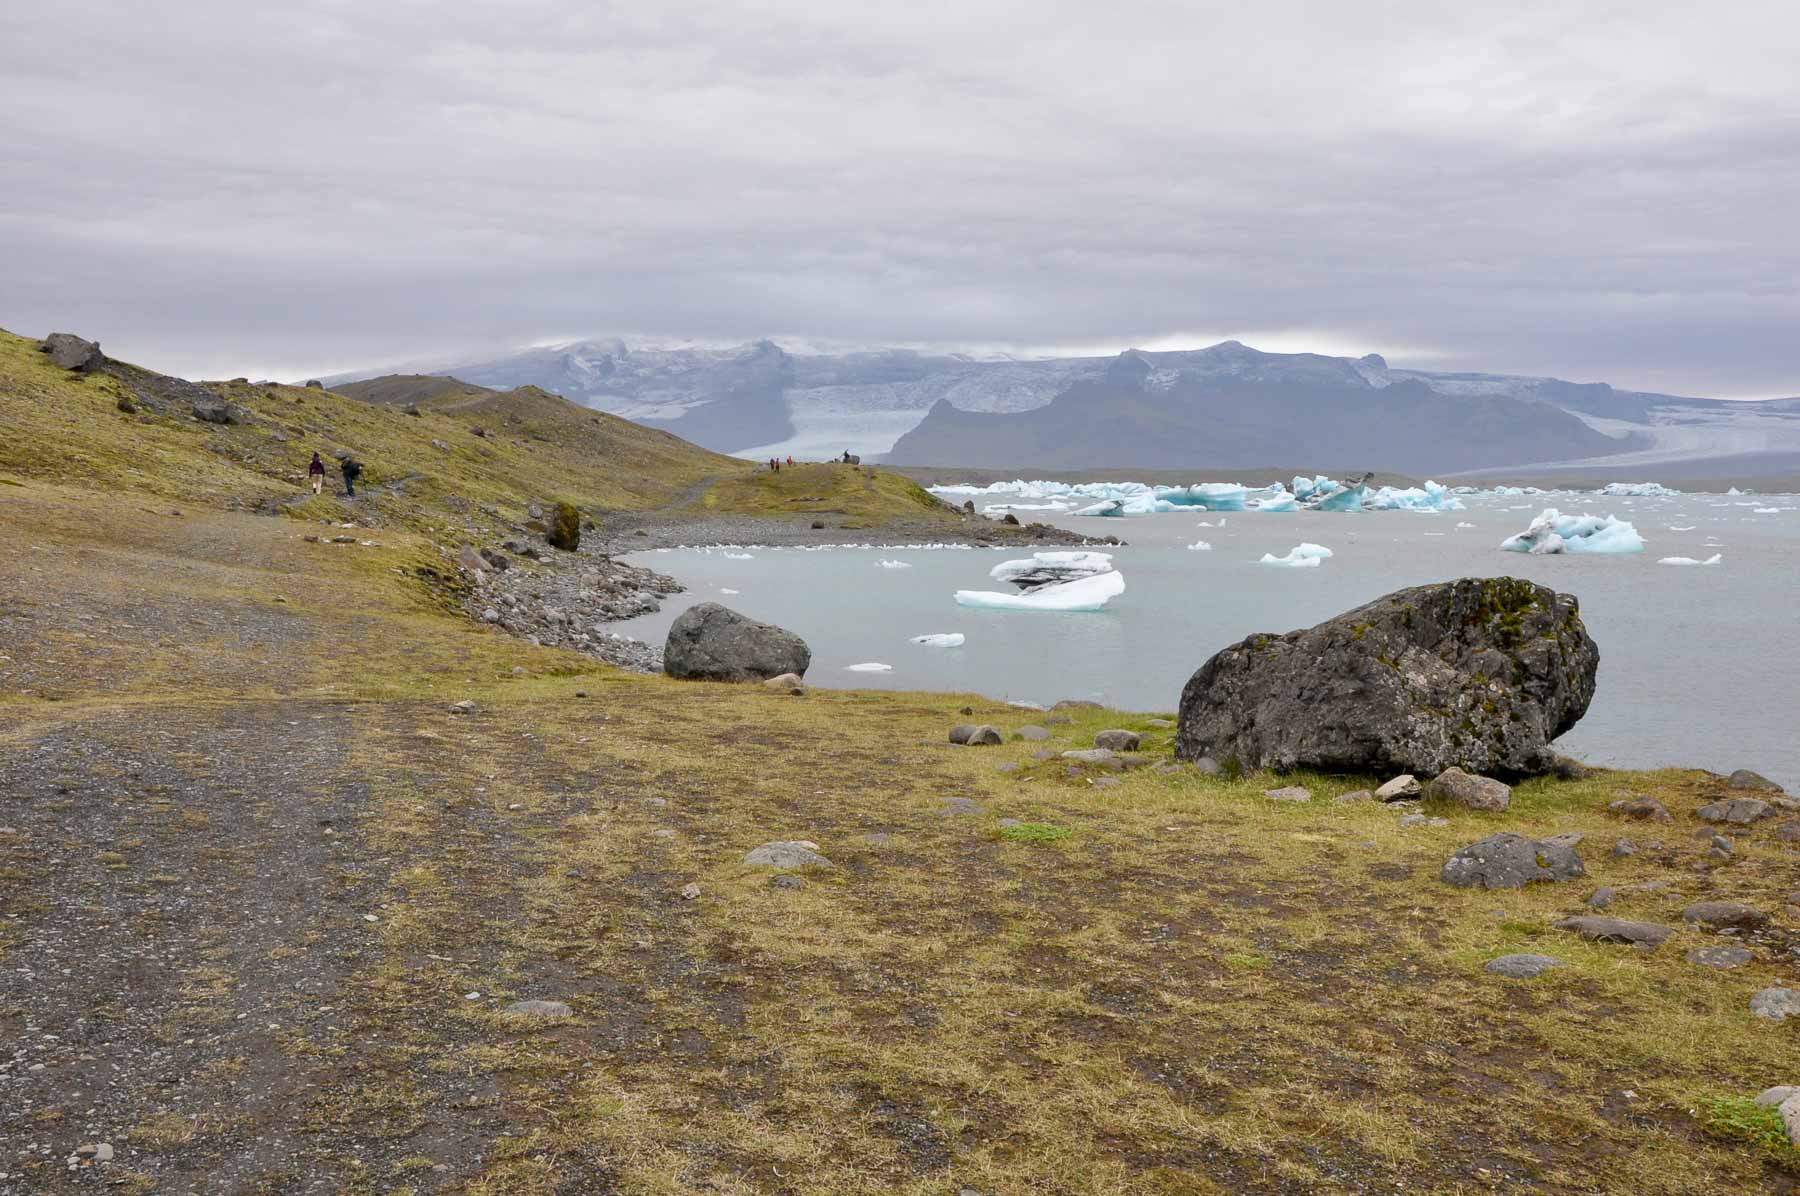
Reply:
x=865, y=497
x=399, y=390
x=302, y=892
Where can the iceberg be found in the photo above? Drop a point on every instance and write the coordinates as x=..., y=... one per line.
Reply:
x=949, y=639
x=1082, y=594
x=893, y=564
x=1301, y=556
x=1051, y=568
x=1553, y=532
x=1275, y=500
x=1432, y=496
x=1714, y=559
x=1200, y=546
x=1112, y=508
x=1217, y=496
x=869, y=666
x=1636, y=490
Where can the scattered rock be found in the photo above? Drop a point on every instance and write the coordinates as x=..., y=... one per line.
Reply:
x=1289, y=793
x=214, y=410
x=1565, y=769
x=787, y=683
x=1774, y=1098
x=1510, y=861
x=1118, y=741
x=951, y=806
x=1738, y=811
x=1603, y=897
x=1643, y=809
x=1159, y=723
x=1400, y=788
x=463, y=707
x=1077, y=704
x=71, y=352
x=1054, y=720
x=1092, y=756
x=714, y=643
x=975, y=734
x=1722, y=958
x=1104, y=782
x=1776, y=1004
x=690, y=892
x=1623, y=848
x=1206, y=766
x=1616, y=930
x=1721, y=915
x=1355, y=795
x=786, y=880
x=1523, y=967
x=787, y=853
x=1031, y=733
x=1743, y=778
x=1788, y=832
x=1478, y=674
x=1462, y=788
x=537, y=1009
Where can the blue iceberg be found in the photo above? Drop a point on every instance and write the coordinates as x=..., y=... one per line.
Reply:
x=1553, y=532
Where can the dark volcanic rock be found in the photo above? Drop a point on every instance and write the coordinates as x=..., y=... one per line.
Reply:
x=1479, y=674
x=710, y=642
x=72, y=353
x=1510, y=861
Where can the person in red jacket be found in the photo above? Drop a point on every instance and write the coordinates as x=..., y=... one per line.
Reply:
x=316, y=474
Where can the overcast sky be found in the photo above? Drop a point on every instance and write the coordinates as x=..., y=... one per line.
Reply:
x=1602, y=191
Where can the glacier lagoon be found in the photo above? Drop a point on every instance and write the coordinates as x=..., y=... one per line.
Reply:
x=1697, y=665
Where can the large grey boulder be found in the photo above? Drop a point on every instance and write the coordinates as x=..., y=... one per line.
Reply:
x=710, y=642
x=1743, y=778
x=1466, y=789
x=786, y=853
x=1739, y=811
x=1479, y=674
x=73, y=353
x=1511, y=861
x=214, y=410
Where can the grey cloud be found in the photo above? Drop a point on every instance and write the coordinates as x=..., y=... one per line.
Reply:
x=1597, y=191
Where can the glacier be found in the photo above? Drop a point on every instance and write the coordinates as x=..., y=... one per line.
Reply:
x=1301, y=556
x=1082, y=594
x=946, y=639
x=1553, y=532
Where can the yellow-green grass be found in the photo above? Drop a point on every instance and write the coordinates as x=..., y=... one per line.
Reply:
x=843, y=495
x=1195, y=990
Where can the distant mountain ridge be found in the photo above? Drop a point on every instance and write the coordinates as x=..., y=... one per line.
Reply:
x=759, y=400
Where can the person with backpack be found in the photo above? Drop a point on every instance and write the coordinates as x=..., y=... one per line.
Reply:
x=315, y=473
x=352, y=471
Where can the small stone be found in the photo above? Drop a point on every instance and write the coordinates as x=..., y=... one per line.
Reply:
x=1400, y=788
x=1642, y=809
x=1603, y=897
x=537, y=1009
x=1467, y=789
x=1031, y=733
x=1722, y=958
x=787, y=683
x=1355, y=795
x=463, y=707
x=975, y=735
x=1788, y=832
x=1159, y=723
x=1743, y=778
x=1008, y=822
x=1208, y=767
x=1776, y=1004
x=690, y=892
x=1510, y=861
x=1566, y=838
x=1104, y=782
x=1774, y=1098
x=1116, y=740
x=1616, y=930
x=786, y=881
x=1408, y=821
x=1294, y=793
x=1523, y=967
x=1092, y=756
x=1623, y=848
x=1738, y=811
x=786, y=853
x=959, y=805
x=1719, y=915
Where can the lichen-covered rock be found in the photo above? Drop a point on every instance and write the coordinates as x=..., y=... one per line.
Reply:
x=1602, y=929
x=975, y=734
x=1523, y=967
x=1739, y=811
x=1743, y=778
x=1479, y=674
x=1511, y=861
x=565, y=527
x=214, y=410
x=1466, y=789
x=71, y=352
x=1118, y=741
x=710, y=642
x=786, y=853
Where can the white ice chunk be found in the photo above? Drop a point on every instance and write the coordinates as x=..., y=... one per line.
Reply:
x=1766, y=511
x=1084, y=593
x=1200, y=546
x=1274, y=500
x=893, y=564
x=1553, y=532
x=947, y=639
x=1301, y=556
x=1050, y=568
x=869, y=666
x=740, y=556
x=1688, y=560
x=724, y=590
x=1636, y=490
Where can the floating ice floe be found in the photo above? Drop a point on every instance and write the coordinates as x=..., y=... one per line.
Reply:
x=1082, y=594
x=1199, y=546
x=948, y=639
x=1301, y=556
x=1432, y=496
x=893, y=564
x=1766, y=511
x=1690, y=527
x=869, y=666
x=1051, y=568
x=1553, y=532
x=725, y=590
x=739, y=556
x=1274, y=500
x=1636, y=490
x=1462, y=526
x=1714, y=559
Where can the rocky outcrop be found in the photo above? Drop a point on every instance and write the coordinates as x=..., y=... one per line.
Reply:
x=72, y=352
x=1479, y=674
x=710, y=642
x=565, y=527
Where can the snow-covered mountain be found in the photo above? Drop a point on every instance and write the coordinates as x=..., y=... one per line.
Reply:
x=759, y=400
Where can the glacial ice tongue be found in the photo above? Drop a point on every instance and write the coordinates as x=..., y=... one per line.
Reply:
x=1082, y=594
x=1553, y=532
x=1301, y=556
x=1050, y=568
x=946, y=639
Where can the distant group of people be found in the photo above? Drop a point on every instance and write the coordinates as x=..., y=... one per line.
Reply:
x=352, y=469
x=775, y=464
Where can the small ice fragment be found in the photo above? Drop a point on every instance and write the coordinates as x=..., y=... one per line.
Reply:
x=945, y=639
x=1464, y=525
x=1688, y=560
x=869, y=666
x=1677, y=528
x=739, y=556
x=727, y=590
x=1766, y=511
x=1200, y=546
x=893, y=564
x=1301, y=556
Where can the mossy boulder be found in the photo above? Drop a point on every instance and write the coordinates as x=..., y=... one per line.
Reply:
x=565, y=527
x=710, y=642
x=1479, y=674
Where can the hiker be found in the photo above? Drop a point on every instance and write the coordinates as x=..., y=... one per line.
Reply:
x=352, y=471
x=790, y=462
x=316, y=474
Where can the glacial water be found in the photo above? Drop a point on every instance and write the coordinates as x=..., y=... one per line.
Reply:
x=1699, y=664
